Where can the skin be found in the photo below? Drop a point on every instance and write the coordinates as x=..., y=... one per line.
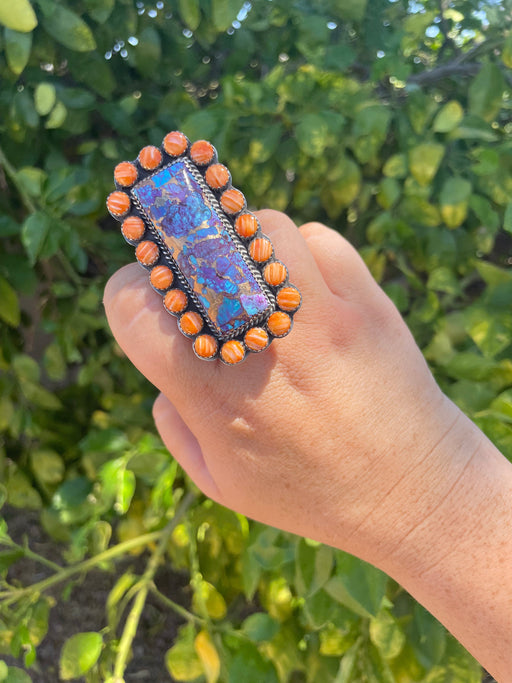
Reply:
x=339, y=433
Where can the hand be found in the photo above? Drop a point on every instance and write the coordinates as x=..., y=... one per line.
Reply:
x=325, y=434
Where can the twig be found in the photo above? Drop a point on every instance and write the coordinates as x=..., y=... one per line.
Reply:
x=12, y=174
x=144, y=586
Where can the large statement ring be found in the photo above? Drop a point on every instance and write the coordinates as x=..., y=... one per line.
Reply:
x=205, y=253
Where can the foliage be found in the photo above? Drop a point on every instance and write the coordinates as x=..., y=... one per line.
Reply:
x=390, y=120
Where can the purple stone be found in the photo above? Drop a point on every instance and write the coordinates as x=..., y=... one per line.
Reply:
x=202, y=247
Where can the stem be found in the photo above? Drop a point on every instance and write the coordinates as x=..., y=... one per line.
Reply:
x=68, y=572
x=30, y=554
x=144, y=585
x=179, y=609
x=13, y=176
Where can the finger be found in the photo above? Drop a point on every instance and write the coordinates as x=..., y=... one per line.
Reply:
x=343, y=270
x=183, y=446
x=150, y=338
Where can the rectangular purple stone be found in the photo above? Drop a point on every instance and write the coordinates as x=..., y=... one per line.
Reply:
x=202, y=248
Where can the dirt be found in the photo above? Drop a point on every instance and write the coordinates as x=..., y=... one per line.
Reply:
x=85, y=608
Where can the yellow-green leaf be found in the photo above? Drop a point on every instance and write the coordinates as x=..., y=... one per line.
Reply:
x=9, y=306
x=424, y=161
x=79, y=654
x=18, y=15
x=449, y=117
x=44, y=98
x=181, y=659
x=208, y=655
x=190, y=13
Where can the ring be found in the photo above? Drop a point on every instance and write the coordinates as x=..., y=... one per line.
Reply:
x=205, y=252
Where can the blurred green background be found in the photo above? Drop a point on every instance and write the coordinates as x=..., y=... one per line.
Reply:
x=390, y=121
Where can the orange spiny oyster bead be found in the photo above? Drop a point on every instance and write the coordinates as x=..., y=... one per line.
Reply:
x=191, y=323
x=246, y=225
x=205, y=346
x=232, y=201
x=175, y=143
x=232, y=352
x=147, y=253
x=260, y=249
x=279, y=324
x=175, y=301
x=161, y=277
x=150, y=157
x=133, y=228
x=202, y=152
x=288, y=298
x=256, y=339
x=275, y=273
x=217, y=176
x=125, y=174
x=118, y=203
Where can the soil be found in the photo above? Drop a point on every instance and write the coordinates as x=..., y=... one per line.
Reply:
x=158, y=626
x=157, y=629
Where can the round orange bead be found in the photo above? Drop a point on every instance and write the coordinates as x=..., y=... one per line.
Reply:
x=150, y=157
x=175, y=301
x=232, y=201
x=217, y=176
x=175, y=143
x=118, y=203
x=279, y=324
x=205, y=346
x=202, y=152
x=260, y=249
x=232, y=352
x=288, y=298
x=147, y=253
x=125, y=174
x=191, y=323
x=161, y=277
x=275, y=273
x=256, y=339
x=246, y=225
x=133, y=228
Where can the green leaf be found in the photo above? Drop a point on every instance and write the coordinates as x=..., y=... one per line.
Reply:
x=125, y=491
x=69, y=29
x=224, y=13
x=424, y=161
x=449, y=117
x=427, y=637
x=357, y=585
x=351, y=10
x=396, y=166
x=79, y=654
x=9, y=305
x=260, y=627
x=386, y=635
x=44, y=98
x=18, y=15
x=17, y=49
x=16, y=675
x=34, y=233
x=486, y=92
x=507, y=219
x=190, y=13
x=149, y=51
x=313, y=566
x=249, y=666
